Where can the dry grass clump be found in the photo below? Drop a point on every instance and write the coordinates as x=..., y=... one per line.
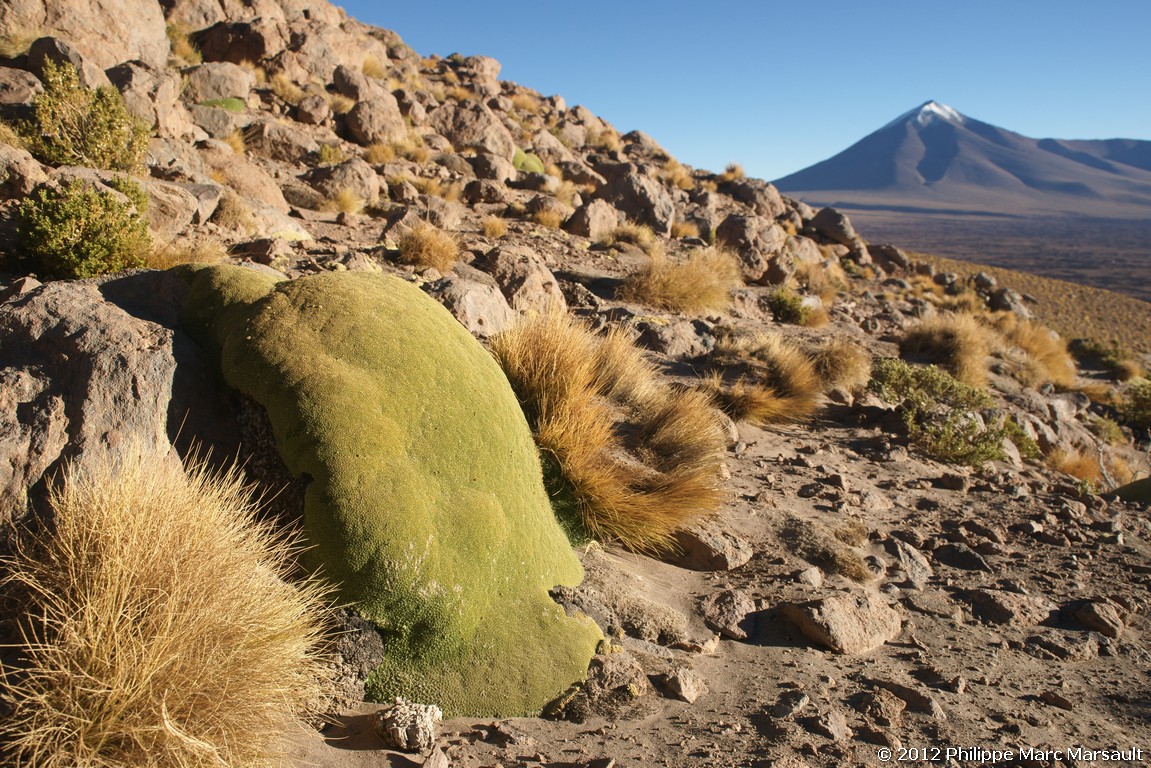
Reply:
x=344, y=201
x=287, y=90
x=820, y=546
x=1046, y=358
x=678, y=176
x=525, y=102
x=374, y=68
x=626, y=455
x=822, y=279
x=606, y=139
x=15, y=43
x=425, y=246
x=237, y=142
x=682, y=229
x=549, y=217
x=1079, y=465
x=733, y=172
x=842, y=364
x=331, y=154
x=339, y=103
x=379, y=153
x=958, y=342
x=459, y=93
x=182, y=47
x=9, y=136
x=787, y=306
x=762, y=379
x=186, y=251
x=704, y=281
x=234, y=214
x=566, y=192
x=157, y=625
x=494, y=226
x=411, y=147
x=637, y=234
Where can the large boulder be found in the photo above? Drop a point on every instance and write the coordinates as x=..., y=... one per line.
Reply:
x=105, y=32
x=217, y=80
x=353, y=175
x=238, y=42
x=377, y=120
x=425, y=501
x=754, y=239
x=153, y=95
x=637, y=196
x=85, y=368
x=471, y=125
x=524, y=278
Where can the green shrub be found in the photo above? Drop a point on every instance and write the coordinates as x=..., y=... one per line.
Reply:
x=1025, y=443
x=528, y=162
x=426, y=504
x=939, y=412
x=1136, y=407
x=77, y=126
x=787, y=307
x=75, y=231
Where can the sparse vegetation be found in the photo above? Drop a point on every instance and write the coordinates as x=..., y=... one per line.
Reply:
x=822, y=279
x=684, y=229
x=704, y=281
x=9, y=136
x=762, y=379
x=426, y=246
x=636, y=234
x=940, y=412
x=842, y=363
x=187, y=251
x=1079, y=465
x=154, y=594
x=677, y=175
x=331, y=154
x=1135, y=409
x=77, y=126
x=1024, y=443
x=374, y=68
x=344, y=201
x=15, y=43
x=1045, y=354
x=182, y=47
x=237, y=142
x=626, y=456
x=549, y=217
x=787, y=306
x=820, y=546
x=494, y=227
x=733, y=172
x=76, y=230
x=234, y=214
x=525, y=102
x=287, y=90
x=606, y=139
x=958, y=342
x=1119, y=362
x=339, y=103
x=1107, y=430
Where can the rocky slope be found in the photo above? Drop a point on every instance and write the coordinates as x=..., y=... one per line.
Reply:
x=993, y=609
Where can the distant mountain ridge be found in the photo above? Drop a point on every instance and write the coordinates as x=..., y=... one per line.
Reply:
x=935, y=159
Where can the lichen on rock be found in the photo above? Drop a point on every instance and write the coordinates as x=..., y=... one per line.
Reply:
x=426, y=503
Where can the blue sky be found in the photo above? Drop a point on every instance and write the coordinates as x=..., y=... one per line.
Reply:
x=779, y=86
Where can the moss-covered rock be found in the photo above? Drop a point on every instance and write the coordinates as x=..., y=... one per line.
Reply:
x=425, y=503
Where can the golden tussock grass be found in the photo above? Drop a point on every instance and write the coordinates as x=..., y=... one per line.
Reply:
x=339, y=103
x=566, y=192
x=9, y=136
x=1126, y=370
x=187, y=251
x=841, y=364
x=158, y=626
x=344, y=201
x=182, y=47
x=677, y=175
x=258, y=72
x=237, y=142
x=234, y=214
x=1046, y=358
x=494, y=226
x=379, y=153
x=426, y=246
x=762, y=379
x=822, y=279
x=957, y=342
x=606, y=139
x=638, y=459
x=549, y=217
x=525, y=102
x=287, y=90
x=820, y=546
x=1079, y=465
x=15, y=43
x=682, y=229
x=733, y=172
x=374, y=68
x=636, y=234
x=460, y=93
x=703, y=281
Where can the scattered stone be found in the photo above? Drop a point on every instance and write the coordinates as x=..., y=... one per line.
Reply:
x=1010, y=608
x=685, y=684
x=789, y=704
x=834, y=726
x=960, y=556
x=847, y=623
x=912, y=561
x=916, y=700
x=407, y=726
x=812, y=576
x=1103, y=617
x=1064, y=646
x=882, y=706
x=709, y=545
x=730, y=613
x=1057, y=699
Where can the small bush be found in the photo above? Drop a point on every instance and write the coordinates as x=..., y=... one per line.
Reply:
x=704, y=281
x=425, y=246
x=676, y=175
x=821, y=279
x=606, y=139
x=287, y=90
x=733, y=172
x=157, y=625
x=1135, y=410
x=787, y=306
x=762, y=379
x=549, y=217
x=940, y=412
x=958, y=342
x=182, y=47
x=842, y=363
x=75, y=231
x=1107, y=430
x=525, y=102
x=15, y=43
x=636, y=234
x=1024, y=443
x=344, y=201
x=626, y=455
x=76, y=126
x=1079, y=465
x=331, y=154
x=683, y=229
x=374, y=68
x=10, y=136
x=1118, y=361
x=494, y=227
